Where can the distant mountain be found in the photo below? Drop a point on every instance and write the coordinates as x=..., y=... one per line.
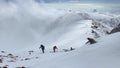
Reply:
x=49, y=1
x=57, y=1
x=90, y=1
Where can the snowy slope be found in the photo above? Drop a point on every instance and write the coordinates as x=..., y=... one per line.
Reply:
x=104, y=54
x=29, y=24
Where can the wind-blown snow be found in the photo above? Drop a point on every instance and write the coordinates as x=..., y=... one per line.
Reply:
x=29, y=23
x=24, y=25
x=21, y=23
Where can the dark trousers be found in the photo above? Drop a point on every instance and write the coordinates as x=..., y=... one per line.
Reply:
x=43, y=51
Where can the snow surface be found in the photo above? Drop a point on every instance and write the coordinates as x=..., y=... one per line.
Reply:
x=29, y=24
x=104, y=54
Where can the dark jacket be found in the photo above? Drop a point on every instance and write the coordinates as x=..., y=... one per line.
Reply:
x=91, y=41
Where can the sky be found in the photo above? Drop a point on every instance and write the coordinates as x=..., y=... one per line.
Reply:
x=85, y=1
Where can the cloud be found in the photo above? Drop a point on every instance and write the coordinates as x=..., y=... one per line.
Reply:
x=96, y=1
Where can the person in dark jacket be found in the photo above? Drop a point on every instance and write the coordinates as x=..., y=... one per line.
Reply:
x=43, y=48
x=91, y=41
x=71, y=48
x=54, y=48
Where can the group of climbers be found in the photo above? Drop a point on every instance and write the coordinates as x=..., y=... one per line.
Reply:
x=42, y=47
x=90, y=41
